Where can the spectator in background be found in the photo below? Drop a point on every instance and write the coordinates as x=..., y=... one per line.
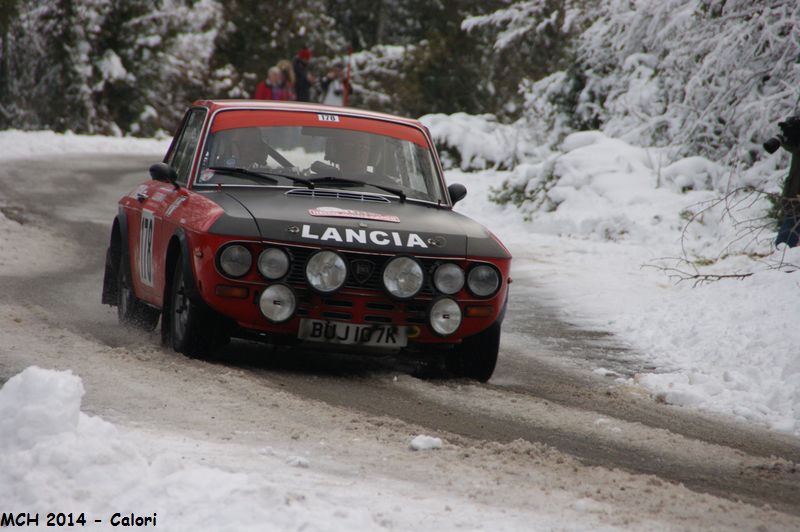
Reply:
x=287, y=72
x=273, y=88
x=303, y=78
x=789, y=231
x=334, y=86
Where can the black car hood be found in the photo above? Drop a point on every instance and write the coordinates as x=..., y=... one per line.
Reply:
x=348, y=224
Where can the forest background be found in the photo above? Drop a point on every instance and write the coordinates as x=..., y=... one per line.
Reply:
x=694, y=77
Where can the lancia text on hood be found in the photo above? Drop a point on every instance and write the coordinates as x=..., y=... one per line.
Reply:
x=364, y=236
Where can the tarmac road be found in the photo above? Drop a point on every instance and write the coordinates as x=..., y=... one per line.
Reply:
x=543, y=390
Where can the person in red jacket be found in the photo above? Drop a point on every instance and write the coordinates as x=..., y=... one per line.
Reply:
x=273, y=88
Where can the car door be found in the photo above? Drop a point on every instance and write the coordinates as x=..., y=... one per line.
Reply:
x=156, y=198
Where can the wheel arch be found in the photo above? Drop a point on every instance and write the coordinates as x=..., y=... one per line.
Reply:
x=117, y=248
x=178, y=249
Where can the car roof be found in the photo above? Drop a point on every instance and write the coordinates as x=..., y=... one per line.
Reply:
x=215, y=105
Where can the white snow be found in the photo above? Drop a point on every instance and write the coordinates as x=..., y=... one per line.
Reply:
x=481, y=141
x=424, y=442
x=111, y=68
x=16, y=144
x=729, y=346
x=724, y=347
x=18, y=257
x=55, y=457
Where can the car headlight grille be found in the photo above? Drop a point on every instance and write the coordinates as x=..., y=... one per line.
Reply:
x=403, y=277
x=273, y=263
x=448, y=278
x=235, y=260
x=483, y=280
x=277, y=303
x=445, y=316
x=326, y=271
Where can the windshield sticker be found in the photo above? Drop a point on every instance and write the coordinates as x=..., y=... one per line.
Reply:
x=328, y=118
x=362, y=236
x=336, y=212
x=206, y=175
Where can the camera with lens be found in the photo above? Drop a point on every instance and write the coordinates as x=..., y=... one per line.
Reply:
x=789, y=137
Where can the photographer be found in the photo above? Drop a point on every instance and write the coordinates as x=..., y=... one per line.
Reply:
x=789, y=231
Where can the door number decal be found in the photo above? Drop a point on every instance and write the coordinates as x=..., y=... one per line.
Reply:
x=146, y=248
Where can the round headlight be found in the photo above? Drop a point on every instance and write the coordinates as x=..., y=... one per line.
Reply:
x=273, y=263
x=277, y=303
x=483, y=280
x=445, y=316
x=326, y=271
x=235, y=260
x=402, y=277
x=448, y=278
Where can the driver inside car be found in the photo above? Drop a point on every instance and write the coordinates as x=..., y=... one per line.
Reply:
x=238, y=148
x=350, y=152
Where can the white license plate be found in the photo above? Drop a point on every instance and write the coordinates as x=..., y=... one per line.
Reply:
x=337, y=332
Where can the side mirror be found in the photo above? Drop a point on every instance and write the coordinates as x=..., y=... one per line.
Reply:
x=457, y=192
x=164, y=172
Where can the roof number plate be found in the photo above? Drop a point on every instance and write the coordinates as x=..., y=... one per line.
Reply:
x=328, y=118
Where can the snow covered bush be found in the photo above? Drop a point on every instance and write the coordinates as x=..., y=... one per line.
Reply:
x=695, y=80
x=473, y=142
x=710, y=78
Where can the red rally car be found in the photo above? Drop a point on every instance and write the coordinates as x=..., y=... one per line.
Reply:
x=307, y=224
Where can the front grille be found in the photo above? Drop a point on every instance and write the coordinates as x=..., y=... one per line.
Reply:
x=300, y=255
x=377, y=319
x=335, y=194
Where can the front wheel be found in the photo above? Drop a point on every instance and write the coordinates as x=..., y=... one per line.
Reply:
x=476, y=356
x=131, y=311
x=192, y=328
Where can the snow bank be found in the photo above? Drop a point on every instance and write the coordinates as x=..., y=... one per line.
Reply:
x=425, y=443
x=36, y=405
x=733, y=346
x=56, y=457
x=474, y=142
x=593, y=213
x=606, y=189
x=16, y=144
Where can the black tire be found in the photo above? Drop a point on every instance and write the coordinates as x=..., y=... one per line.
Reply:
x=131, y=311
x=476, y=356
x=191, y=327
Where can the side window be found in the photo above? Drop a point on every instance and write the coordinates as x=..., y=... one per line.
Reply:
x=181, y=158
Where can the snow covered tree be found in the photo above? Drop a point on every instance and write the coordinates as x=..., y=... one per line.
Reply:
x=530, y=40
x=106, y=66
x=44, y=64
x=711, y=77
x=428, y=64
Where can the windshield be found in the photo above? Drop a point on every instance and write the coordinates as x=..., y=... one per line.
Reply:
x=333, y=157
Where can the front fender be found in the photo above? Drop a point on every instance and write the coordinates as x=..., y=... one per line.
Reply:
x=117, y=248
x=184, y=248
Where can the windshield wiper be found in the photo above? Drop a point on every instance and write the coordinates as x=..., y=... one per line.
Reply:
x=356, y=182
x=237, y=170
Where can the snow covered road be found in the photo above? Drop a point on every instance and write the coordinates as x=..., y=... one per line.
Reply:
x=540, y=444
